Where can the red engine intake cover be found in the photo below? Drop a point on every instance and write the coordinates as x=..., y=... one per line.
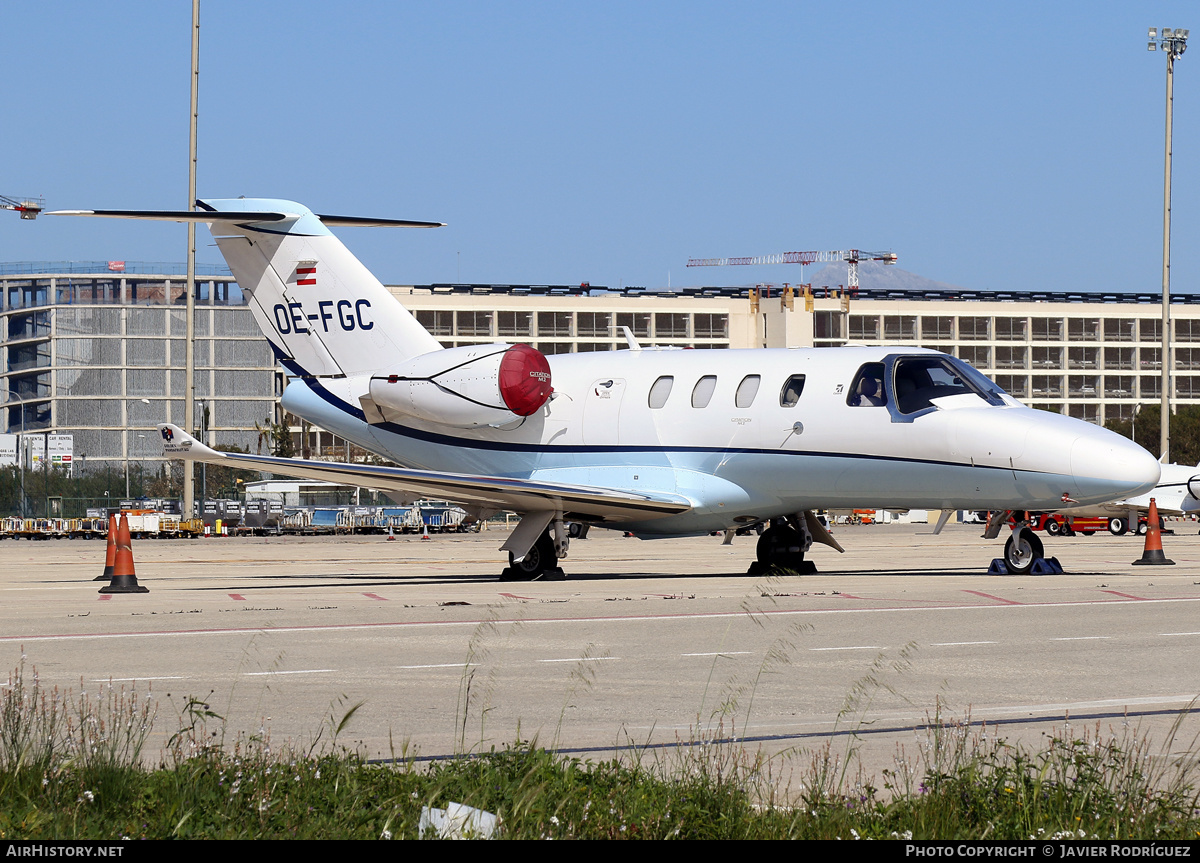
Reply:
x=524, y=379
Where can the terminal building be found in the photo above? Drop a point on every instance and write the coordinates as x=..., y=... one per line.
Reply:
x=96, y=350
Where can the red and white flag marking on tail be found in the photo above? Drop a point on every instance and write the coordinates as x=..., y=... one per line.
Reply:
x=306, y=275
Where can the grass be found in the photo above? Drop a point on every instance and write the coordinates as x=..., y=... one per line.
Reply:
x=73, y=765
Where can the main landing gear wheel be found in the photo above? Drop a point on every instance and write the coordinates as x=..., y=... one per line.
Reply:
x=1053, y=528
x=1021, y=551
x=781, y=547
x=1118, y=526
x=539, y=562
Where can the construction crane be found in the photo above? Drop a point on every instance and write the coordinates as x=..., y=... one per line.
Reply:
x=28, y=208
x=850, y=256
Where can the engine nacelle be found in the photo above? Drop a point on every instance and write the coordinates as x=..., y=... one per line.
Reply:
x=475, y=385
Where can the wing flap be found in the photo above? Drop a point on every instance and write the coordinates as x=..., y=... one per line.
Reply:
x=519, y=495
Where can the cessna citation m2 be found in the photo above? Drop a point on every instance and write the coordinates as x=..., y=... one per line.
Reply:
x=657, y=442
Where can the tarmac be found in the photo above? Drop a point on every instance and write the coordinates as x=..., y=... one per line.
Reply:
x=646, y=648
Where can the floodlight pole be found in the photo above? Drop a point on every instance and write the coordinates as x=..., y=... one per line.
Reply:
x=189, y=411
x=1173, y=42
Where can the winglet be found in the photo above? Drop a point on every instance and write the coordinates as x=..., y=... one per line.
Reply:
x=179, y=444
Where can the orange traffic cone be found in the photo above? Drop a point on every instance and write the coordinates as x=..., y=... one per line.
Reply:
x=424, y=530
x=124, y=578
x=110, y=556
x=1153, y=553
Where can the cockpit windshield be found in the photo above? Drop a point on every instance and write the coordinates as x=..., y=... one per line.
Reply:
x=920, y=380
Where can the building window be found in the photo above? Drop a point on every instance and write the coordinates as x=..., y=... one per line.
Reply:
x=1185, y=330
x=1118, y=386
x=710, y=326
x=1085, y=386
x=1047, y=386
x=437, y=321
x=1082, y=411
x=899, y=327
x=1187, y=387
x=864, y=328
x=1150, y=329
x=1047, y=358
x=937, y=327
x=827, y=325
x=1118, y=329
x=1010, y=357
x=668, y=325
x=474, y=323
x=550, y=348
x=1010, y=329
x=1015, y=385
x=1083, y=358
x=554, y=324
x=514, y=324
x=1083, y=329
x=974, y=328
x=1047, y=329
x=1118, y=358
x=593, y=324
x=1187, y=358
x=637, y=322
x=980, y=356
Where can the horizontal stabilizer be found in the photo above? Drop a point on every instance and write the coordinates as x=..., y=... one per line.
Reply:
x=244, y=217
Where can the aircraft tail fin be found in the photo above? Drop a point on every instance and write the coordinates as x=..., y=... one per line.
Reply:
x=323, y=312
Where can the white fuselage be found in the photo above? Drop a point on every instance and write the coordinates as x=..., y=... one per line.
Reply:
x=741, y=464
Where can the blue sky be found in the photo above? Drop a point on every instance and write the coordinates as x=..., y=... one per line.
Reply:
x=1002, y=146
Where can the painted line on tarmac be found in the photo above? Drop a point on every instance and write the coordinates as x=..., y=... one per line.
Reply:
x=960, y=643
x=1125, y=595
x=581, y=659
x=303, y=671
x=641, y=618
x=857, y=647
x=995, y=598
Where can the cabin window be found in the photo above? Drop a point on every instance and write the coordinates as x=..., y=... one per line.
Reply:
x=747, y=390
x=867, y=389
x=703, y=391
x=790, y=394
x=660, y=391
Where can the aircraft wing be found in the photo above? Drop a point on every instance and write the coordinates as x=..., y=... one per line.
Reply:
x=486, y=492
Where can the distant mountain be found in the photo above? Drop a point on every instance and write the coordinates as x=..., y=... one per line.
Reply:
x=877, y=276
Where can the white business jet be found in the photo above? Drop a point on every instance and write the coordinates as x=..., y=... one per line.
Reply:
x=657, y=442
x=1177, y=493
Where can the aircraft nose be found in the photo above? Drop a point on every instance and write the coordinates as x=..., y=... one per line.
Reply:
x=1107, y=466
